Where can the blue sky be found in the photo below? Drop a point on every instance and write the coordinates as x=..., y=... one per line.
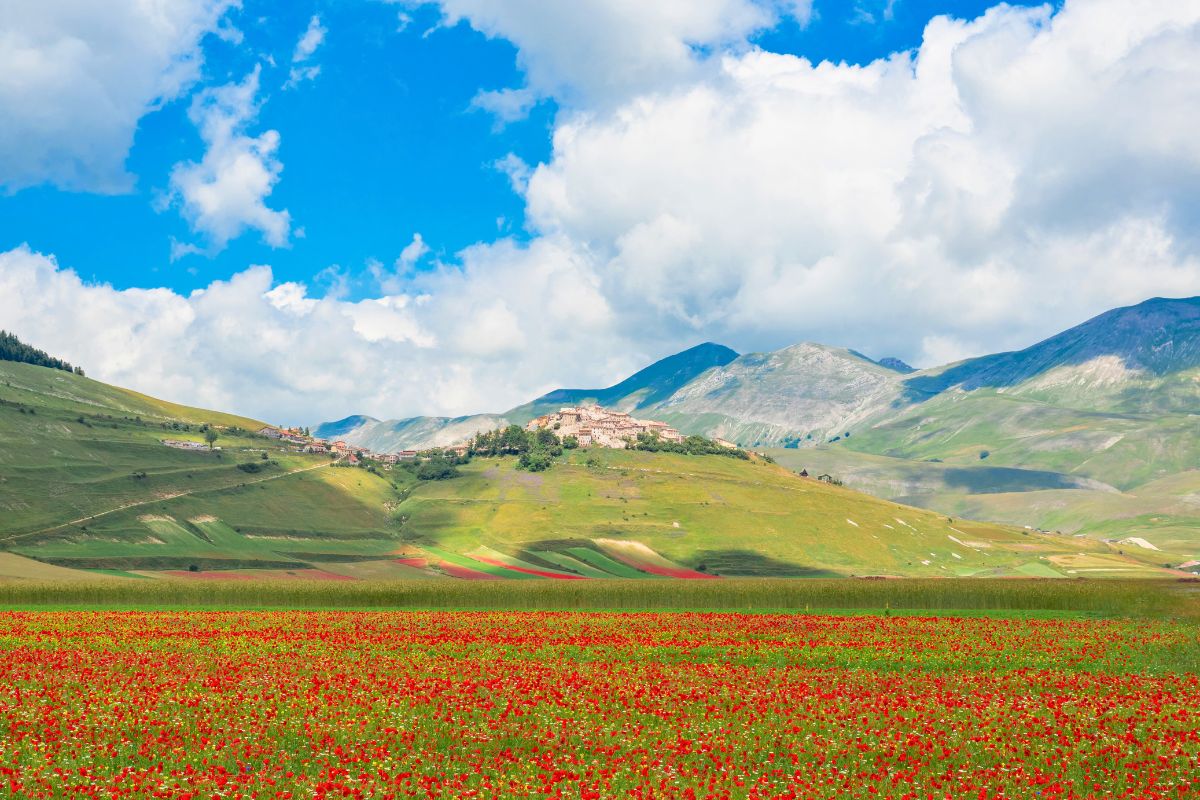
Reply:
x=382, y=144
x=367, y=162
x=301, y=211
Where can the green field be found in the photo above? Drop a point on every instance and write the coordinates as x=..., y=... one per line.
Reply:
x=1163, y=513
x=1110, y=598
x=722, y=516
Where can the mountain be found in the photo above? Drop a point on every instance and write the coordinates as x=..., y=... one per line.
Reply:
x=1148, y=341
x=1096, y=421
x=1140, y=359
x=1091, y=431
x=806, y=392
x=89, y=489
x=896, y=365
x=639, y=391
x=414, y=433
x=343, y=427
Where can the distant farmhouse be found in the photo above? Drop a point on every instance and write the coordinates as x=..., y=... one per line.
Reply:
x=596, y=426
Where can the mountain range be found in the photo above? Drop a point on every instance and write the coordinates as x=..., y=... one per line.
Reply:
x=1093, y=416
x=1139, y=359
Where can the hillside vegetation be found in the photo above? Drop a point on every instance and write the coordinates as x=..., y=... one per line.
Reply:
x=13, y=349
x=88, y=487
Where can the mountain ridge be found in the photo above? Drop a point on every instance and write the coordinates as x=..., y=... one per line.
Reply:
x=1133, y=359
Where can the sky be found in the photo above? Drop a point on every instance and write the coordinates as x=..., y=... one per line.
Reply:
x=304, y=210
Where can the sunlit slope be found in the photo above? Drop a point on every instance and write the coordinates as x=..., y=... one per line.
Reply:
x=1120, y=449
x=86, y=482
x=65, y=391
x=719, y=515
x=87, y=485
x=1163, y=513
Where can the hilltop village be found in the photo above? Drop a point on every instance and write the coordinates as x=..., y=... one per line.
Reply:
x=597, y=426
x=590, y=426
x=541, y=441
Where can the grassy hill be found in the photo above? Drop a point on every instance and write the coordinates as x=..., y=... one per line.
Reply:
x=718, y=515
x=85, y=481
x=1163, y=512
x=87, y=487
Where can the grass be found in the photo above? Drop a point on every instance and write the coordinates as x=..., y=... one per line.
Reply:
x=531, y=704
x=1162, y=511
x=1107, y=598
x=1123, y=450
x=712, y=514
x=85, y=483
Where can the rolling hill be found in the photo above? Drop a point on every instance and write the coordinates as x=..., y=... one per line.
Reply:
x=88, y=488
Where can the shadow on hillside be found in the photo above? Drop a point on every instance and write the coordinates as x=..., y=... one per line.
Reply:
x=996, y=480
x=747, y=563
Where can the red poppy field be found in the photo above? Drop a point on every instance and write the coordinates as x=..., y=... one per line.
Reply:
x=594, y=705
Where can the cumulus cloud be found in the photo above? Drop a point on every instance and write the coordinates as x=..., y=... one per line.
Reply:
x=75, y=78
x=273, y=351
x=413, y=252
x=1015, y=174
x=310, y=40
x=599, y=52
x=225, y=193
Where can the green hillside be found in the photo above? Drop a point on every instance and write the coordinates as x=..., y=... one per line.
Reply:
x=87, y=486
x=720, y=515
x=85, y=481
x=1163, y=513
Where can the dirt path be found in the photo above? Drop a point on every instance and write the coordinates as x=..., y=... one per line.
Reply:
x=162, y=498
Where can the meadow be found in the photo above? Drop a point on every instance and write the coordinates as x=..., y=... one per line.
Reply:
x=289, y=704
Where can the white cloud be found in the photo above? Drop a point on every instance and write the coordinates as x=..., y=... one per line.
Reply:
x=309, y=41
x=413, y=252
x=508, y=105
x=274, y=352
x=597, y=52
x=1015, y=175
x=76, y=76
x=516, y=169
x=1018, y=173
x=225, y=193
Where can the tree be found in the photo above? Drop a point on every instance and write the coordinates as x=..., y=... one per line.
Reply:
x=210, y=436
x=535, y=460
x=436, y=468
x=13, y=349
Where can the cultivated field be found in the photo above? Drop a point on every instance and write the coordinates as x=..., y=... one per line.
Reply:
x=594, y=705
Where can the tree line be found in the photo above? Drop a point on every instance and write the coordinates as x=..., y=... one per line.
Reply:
x=13, y=349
